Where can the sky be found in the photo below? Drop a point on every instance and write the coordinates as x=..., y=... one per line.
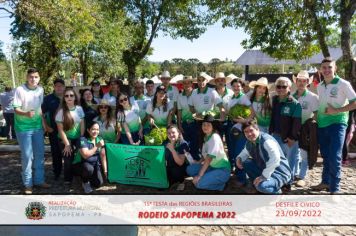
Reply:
x=216, y=42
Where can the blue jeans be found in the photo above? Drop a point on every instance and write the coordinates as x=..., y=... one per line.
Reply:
x=303, y=164
x=213, y=178
x=10, y=126
x=32, y=155
x=292, y=154
x=331, y=140
x=235, y=145
x=190, y=135
x=269, y=186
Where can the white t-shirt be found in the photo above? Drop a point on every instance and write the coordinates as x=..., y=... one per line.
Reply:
x=159, y=115
x=206, y=100
x=183, y=105
x=28, y=100
x=111, y=99
x=213, y=147
x=172, y=93
x=309, y=103
x=241, y=99
x=77, y=114
x=131, y=118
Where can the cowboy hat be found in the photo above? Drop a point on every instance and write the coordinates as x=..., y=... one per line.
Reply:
x=165, y=74
x=263, y=81
x=303, y=74
x=186, y=78
x=205, y=76
x=220, y=75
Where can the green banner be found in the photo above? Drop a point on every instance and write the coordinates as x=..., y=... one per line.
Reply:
x=137, y=165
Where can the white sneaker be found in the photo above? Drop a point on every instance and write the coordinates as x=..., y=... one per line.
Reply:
x=87, y=188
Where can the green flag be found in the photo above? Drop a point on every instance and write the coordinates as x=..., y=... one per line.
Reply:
x=137, y=165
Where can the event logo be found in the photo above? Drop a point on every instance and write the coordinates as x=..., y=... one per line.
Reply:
x=136, y=167
x=35, y=211
x=333, y=92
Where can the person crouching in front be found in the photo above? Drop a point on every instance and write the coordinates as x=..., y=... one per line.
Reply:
x=263, y=160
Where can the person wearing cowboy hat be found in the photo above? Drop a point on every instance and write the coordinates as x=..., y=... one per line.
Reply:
x=261, y=104
x=225, y=94
x=336, y=98
x=309, y=102
x=185, y=121
x=205, y=99
x=107, y=122
x=286, y=123
x=172, y=91
x=111, y=96
x=214, y=173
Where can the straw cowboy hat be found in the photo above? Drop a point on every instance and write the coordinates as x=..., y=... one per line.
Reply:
x=303, y=74
x=220, y=75
x=205, y=76
x=165, y=74
x=104, y=102
x=263, y=81
x=186, y=78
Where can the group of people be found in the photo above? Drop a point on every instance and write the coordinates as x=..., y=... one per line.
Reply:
x=269, y=150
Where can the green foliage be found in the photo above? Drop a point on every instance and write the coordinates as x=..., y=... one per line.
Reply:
x=239, y=111
x=2, y=54
x=156, y=137
x=283, y=29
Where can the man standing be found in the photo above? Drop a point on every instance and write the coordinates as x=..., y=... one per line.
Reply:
x=263, y=160
x=172, y=91
x=309, y=103
x=336, y=98
x=29, y=130
x=204, y=99
x=141, y=100
x=50, y=105
x=286, y=122
x=6, y=100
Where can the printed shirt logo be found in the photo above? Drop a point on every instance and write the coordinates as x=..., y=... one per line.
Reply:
x=305, y=105
x=286, y=110
x=333, y=92
x=206, y=100
x=35, y=211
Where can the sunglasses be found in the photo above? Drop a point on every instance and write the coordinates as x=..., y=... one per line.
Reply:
x=103, y=107
x=69, y=95
x=281, y=86
x=123, y=100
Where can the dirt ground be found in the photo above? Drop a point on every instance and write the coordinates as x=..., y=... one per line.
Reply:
x=10, y=176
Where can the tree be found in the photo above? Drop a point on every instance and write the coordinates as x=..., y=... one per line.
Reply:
x=183, y=18
x=81, y=29
x=290, y=29
x=2, y=54
x=214, y=65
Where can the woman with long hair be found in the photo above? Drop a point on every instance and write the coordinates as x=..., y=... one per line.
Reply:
x=106, y=121
x=160, y=111
x=96, y=91
x=176, y=150
x=87, y=101
x=70, y=124
x=128, y=120
x=92, y=158
x=261, y=103
x=214, y=170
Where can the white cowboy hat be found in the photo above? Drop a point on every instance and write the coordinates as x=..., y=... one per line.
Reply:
x=205, y=76
x=220, y=75
x=186, y=78
x=232, y=76
x=263, y=81
x=303, y=74
x=165, y=74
